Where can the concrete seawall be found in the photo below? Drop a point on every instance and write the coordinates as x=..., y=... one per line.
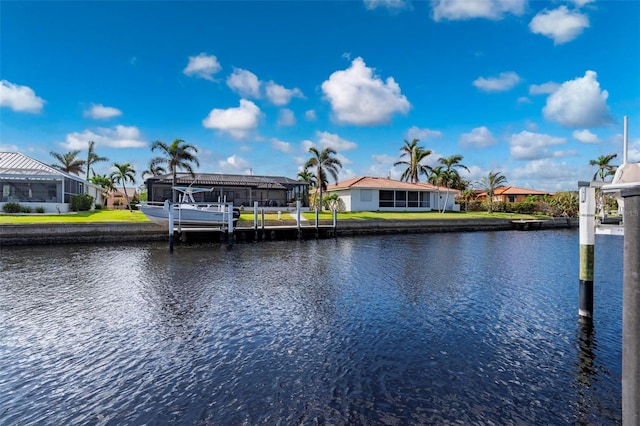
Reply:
x=127, y=232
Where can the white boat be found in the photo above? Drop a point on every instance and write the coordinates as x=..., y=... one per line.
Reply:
x=189, y=212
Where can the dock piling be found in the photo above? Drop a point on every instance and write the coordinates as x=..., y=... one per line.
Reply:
x=587, y=241
x=170, y=227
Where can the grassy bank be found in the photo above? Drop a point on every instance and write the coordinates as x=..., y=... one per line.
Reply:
x=103, y=216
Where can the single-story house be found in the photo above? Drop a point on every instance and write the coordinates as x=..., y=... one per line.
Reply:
x=241, y=190
x=510, y=194
x=384, y=194
x=35, y=184
x=118, y=200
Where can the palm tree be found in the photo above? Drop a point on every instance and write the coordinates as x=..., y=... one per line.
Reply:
x=176, y=156
x=307, y=177
x=416, y=154
x=155, y=168
x=93, y=158
x=124, y=173
x=490, y=182
x=604, y=168
x=451, y=174
x=323, y=161
x=68, y=162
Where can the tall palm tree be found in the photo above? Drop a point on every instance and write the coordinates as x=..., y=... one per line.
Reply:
x=414, y=167
x=155, y=168
x=124, y=173
x=490, y=182
x=452, y=175
x=307, y=177
x=68, y=162
x=604, y=168
x=177, y=155
x=93, y=158
x=323, y=161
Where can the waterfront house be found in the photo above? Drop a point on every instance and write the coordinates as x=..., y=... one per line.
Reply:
x=118, y=199
x=241, y=190
x=510, y=194
x=34, y=184
x=384, y=194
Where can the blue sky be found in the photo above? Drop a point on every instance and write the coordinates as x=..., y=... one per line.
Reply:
x=531, y=89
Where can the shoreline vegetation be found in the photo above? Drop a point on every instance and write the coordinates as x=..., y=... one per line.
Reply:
x=126, y=216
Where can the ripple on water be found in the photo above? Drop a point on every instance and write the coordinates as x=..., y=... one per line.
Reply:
x=475, y=328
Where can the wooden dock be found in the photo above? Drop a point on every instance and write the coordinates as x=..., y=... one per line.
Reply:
x=527, y=224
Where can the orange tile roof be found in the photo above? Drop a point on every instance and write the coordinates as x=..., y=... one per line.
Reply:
x=383, y=183
x=514, y=190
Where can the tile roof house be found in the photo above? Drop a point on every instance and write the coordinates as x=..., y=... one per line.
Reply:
x=384, y=194
x=510, y=194
x=35, y=184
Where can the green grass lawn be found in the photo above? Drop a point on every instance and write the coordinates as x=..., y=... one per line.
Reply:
x=98, y=216
x=101, y=216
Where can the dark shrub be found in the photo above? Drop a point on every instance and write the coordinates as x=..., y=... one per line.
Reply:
x=81, y=202
x=12, y=208
x=25, y=209
x=98, y=207
x=40, y=209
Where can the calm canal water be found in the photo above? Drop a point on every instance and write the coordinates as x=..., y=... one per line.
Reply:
x=459, y=328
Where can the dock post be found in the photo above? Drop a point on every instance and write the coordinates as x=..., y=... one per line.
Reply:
x=255, y=220
x=631, y=308
x=298, y=204
x=317, y=225
x=587, y=241
x=263, y=234
x=230, y=225
x=335, y=222
x=170, y=227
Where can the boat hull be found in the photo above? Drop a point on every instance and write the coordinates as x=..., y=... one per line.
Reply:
x=189, y=215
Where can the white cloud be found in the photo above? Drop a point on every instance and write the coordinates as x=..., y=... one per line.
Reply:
x=389, y=4
x=504, y=81
x=524, y=100
x=544, y=88
x=480, y=137
x=585, y=136
x=330, y=140
x=469, y=9
x=280, y=95
x=359, y=97
x=202, y=66
x=417, y=133
x=281, y=145
x=561, y=24
x=234, y=164
x=633, y=154
x=310, y=115
x=286, y=117
x=19, y=98
x=579, y=103
x=580, y=3
x=117, y=137
x=238, y=122
x=244, y=83
x=5, y=147
x=532, y=146
x=101, y=112
x=545, y=175
x=306, y=144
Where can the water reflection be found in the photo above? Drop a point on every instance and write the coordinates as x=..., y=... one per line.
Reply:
x=411, y=329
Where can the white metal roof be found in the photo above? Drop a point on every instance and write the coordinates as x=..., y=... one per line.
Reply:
x=17, y=164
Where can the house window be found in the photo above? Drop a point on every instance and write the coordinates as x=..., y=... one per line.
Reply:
x=412, y=199
x=425, y=199
x=386, y=199
x=512, y=198
x=401, y=198
x=365, y=195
